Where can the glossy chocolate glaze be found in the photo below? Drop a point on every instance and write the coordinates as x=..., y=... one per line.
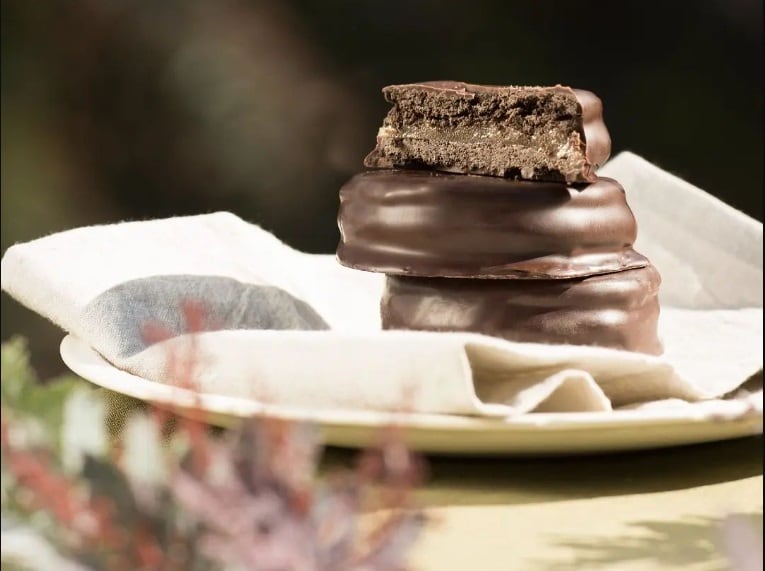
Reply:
x=423, y=223
x=618, y=310
x=597, y=140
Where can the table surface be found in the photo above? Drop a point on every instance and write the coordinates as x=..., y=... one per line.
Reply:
x=658, y=509
x=650, y=510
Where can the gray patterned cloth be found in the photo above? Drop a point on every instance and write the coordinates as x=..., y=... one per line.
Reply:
x=126, y=314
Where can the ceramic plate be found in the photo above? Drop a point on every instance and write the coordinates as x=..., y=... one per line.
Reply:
x=530, y=434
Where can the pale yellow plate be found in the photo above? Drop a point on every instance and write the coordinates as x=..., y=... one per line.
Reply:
x=531, y=434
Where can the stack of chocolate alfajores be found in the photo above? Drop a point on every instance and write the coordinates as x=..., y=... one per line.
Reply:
x=485, y=212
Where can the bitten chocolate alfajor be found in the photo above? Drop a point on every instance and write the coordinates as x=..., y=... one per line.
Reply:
x=533, y=133
x=485, y=211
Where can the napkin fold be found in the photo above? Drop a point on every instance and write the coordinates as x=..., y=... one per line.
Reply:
x=260, y=320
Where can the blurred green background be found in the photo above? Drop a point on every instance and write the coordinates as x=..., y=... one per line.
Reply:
x=130, y=109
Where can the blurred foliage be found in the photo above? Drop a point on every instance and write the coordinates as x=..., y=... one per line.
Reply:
x=25, y=399
x=168, y=494
x=127, y=109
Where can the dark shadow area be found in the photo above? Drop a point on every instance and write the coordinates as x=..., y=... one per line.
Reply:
x=485, y=481
x=664, y=544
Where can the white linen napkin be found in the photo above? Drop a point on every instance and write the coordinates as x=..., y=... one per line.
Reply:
x=300, y=330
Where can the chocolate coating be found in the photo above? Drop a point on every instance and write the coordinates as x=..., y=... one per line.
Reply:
x=534, y=133
x=435, y=224
x=597, y=140
x=618, y=310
